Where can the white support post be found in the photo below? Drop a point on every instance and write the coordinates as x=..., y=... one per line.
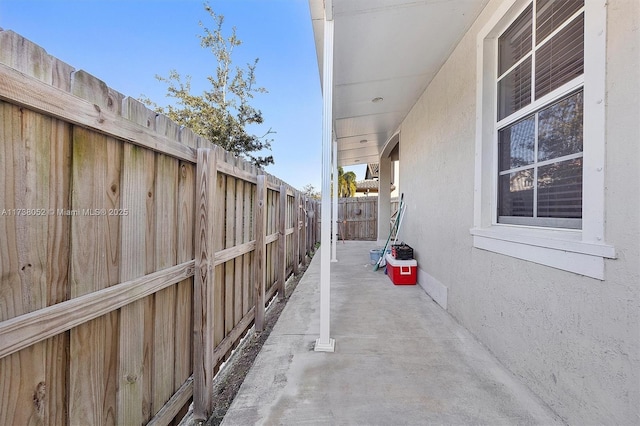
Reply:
x=334, y=205
x=384, y=199
x=324, y=343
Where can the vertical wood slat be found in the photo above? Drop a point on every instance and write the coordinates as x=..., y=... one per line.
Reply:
x=269, y=247
x=292, y=224
x=184, y=292
x=184, y=251
x=57, y=351
x=282, y=243
x=34, y=259
x=134, y=393
x=239, y=239
x=305, y=230
x=137, y=164
x=229, y=267
x=20, y=265
x=148, y=302
x=314, y=225
x=218, y=223
x=96, y=161
x=296, y=233
x=164, y=320
x=247, y=288
x=203, y=319
x=260, y=251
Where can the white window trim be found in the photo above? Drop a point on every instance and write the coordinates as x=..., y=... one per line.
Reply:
x=578, y=251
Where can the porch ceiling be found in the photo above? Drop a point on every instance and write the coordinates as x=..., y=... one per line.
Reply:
x=389, y=49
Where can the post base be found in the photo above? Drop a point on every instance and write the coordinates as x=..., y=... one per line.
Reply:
x=325, y=347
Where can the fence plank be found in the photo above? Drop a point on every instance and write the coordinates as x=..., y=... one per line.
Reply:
x=25, y=56
x=219, y=271
x=296, y=233
x=239, y=239
x=138, y=164
x=229, y=267
x=34, y=174
x=94, y=265
x=203, y=327
x=305, y=233
x=259, y=259
x=247, y=288
x=184, y=291
x=164, y=320
x=282, y=243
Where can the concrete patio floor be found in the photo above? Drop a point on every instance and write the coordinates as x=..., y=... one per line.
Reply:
x=400, y=359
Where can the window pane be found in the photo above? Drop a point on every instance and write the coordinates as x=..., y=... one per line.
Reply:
x=561, y=59
x=560, y=189
x=516, y=194
x=515, y=42
x=516, y=144
x=514, y=90
x=551, y=13
x=560, y=128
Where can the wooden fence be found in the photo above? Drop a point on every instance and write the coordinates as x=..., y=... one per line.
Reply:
x=133, y=254
x=358, y=218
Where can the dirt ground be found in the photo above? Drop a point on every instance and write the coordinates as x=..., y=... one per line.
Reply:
x=228, y=383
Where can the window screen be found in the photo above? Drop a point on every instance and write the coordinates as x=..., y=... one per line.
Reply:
x=540, y=143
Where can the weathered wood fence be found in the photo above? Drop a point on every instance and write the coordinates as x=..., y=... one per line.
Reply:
x=133, y=254
x=358, y=218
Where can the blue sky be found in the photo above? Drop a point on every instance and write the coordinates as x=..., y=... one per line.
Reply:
x=126, y=43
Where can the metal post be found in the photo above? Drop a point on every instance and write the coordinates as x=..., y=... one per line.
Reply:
x=334, y=205
x=324, y=343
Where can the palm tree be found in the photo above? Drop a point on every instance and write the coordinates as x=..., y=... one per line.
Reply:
x=346, y=183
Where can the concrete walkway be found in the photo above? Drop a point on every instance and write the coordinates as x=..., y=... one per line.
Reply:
x=400, y=360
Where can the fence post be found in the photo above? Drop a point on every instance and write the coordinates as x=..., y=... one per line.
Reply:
x=305, y=222
x=260, y=257
x=282, y=243
x=296, y=233
x=316, y=226
x=204, y=281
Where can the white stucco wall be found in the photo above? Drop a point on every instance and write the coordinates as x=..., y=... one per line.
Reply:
x=575, y=341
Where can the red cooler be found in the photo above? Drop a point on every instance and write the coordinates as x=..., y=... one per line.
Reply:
x=401, y=272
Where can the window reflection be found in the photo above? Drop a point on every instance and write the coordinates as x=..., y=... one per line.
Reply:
x=517, y=144
x=516, y=194
x=560, y=189
x=560, y=128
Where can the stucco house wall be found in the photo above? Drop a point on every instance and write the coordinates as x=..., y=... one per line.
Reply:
x=574, y=340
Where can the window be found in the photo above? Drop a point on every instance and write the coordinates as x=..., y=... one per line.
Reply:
x=540, y=139
x=540, y=58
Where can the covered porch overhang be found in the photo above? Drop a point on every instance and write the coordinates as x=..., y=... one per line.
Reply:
x=385, y=53
x=376, y=58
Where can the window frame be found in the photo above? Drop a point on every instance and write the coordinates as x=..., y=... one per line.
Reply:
x=580, y=251
x=533, y=108
x=567, y=91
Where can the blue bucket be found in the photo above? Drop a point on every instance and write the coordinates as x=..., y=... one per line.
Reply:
x=376, y=254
